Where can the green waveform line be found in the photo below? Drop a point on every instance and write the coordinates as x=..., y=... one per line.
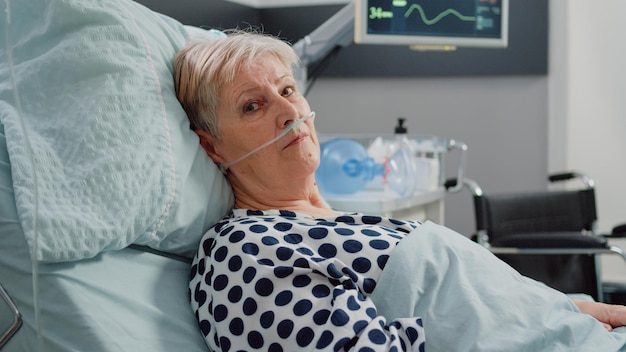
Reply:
x=439, y=16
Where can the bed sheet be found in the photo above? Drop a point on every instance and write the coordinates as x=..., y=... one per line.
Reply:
x=469, y=300
x=98, y=305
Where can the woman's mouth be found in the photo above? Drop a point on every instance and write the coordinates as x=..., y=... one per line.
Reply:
x=299, y=138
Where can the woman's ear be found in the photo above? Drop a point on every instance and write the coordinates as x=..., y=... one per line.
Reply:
x=208, y=144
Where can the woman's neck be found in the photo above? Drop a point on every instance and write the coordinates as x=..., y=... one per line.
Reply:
x=292, y=193
x=310, y=202
x=314, y=207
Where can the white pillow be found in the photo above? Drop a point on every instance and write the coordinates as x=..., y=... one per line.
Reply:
x=101, y=151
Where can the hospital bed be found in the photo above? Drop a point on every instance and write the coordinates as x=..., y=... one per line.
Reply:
x=104, y=190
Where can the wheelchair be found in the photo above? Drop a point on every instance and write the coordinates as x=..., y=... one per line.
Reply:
x=550, y=236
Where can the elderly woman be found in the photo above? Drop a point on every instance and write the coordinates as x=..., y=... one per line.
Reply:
x=284, y=271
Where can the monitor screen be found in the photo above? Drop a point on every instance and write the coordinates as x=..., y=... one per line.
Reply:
x=432, y=24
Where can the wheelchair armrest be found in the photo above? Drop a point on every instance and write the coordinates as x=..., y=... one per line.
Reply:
x=450, y=183
x=551, y=240
x=618, y=231
x=563, y=176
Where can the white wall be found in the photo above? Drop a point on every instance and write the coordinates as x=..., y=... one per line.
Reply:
x=587, y=114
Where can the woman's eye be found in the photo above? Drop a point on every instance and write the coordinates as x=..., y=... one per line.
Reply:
x=289, y=90
x=251, y=107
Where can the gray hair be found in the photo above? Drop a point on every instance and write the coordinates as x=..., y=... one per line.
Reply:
x=202, y=68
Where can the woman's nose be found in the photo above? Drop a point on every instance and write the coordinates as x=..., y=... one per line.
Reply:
x=288, y=113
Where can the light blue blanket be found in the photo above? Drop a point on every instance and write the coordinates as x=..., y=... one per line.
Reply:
x=471, y=301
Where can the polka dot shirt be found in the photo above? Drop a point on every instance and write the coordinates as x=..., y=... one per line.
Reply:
x=284, y=281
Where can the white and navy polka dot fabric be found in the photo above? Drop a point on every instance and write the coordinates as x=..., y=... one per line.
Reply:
x=283, y=281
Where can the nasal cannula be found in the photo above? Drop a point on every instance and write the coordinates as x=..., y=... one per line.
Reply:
x=290, y=127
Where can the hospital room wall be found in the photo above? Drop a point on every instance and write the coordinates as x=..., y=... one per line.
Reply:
x=588, y=103
x=587, y=110
x=501, y=119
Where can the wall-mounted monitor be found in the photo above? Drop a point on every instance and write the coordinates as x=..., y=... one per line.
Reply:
x=432, y=24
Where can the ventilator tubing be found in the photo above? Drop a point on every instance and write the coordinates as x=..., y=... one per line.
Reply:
x=290, y=127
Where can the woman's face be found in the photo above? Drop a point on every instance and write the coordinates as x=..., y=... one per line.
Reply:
x=255, y=108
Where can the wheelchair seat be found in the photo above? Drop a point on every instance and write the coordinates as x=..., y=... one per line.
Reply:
x=550, y=236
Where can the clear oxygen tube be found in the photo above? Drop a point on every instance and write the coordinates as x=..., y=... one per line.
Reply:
x=289, y=127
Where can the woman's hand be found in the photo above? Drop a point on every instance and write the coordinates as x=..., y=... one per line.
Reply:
x=610, y=315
